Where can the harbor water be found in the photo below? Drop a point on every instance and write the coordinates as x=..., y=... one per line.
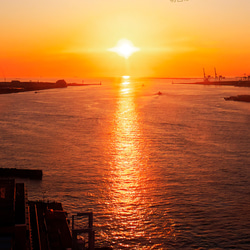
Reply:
x=168, y=170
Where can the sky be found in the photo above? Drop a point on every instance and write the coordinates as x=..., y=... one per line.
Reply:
x=72, y=38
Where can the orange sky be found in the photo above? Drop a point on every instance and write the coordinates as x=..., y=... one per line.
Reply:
x=67, y=39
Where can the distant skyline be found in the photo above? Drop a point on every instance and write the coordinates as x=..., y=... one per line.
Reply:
x=62, y=38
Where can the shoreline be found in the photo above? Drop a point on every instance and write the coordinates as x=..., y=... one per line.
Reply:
x=18, y=86
x=236, y=83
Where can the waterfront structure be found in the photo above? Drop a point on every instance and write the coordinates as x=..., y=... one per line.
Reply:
x=27, y=225
x=39, y=225
x=15, y=230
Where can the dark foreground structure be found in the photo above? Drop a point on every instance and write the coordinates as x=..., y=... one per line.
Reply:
x=15, y=229
x=39, y=225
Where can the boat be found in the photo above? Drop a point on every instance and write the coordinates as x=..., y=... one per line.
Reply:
x=240, y=98
x=158, y=93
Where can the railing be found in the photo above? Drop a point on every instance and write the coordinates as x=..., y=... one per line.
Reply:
x=78, y=231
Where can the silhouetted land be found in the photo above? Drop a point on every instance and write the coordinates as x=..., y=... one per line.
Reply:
x=18, y=86
x=236, y=83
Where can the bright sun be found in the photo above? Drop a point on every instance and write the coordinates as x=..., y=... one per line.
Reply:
x=124, y=48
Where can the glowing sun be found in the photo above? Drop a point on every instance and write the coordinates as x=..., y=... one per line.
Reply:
x=124, y=48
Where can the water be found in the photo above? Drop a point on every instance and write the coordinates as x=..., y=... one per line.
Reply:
x=166, y=171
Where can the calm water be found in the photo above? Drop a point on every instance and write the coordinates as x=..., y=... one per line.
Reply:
x=166, y=171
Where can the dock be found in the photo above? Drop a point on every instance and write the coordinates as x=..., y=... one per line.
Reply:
x=21, y=173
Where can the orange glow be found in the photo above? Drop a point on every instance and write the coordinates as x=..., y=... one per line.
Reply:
x=72, y=39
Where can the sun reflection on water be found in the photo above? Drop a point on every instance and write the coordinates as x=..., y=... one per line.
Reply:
x=127, y=166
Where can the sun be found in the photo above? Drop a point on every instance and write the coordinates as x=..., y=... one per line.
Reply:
x=124, y=48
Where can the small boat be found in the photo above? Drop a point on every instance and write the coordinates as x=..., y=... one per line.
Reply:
x=240, y=98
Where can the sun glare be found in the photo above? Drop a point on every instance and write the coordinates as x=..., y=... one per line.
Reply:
x=124, y=48
x=125, y=77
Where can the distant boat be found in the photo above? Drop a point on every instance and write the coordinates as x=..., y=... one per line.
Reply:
x=240, y=98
